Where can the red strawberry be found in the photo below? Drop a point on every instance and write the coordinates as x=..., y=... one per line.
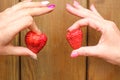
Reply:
x=74, y=38
x=34, y=41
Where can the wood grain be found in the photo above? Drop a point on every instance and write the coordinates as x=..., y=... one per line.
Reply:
x=9, y=65
x=97, y=68
x=54, y=62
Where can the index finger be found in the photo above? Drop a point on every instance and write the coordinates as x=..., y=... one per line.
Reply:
x=29, y=4
x=95, y=24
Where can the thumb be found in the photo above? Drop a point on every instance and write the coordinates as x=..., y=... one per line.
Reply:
x=85, y=51
x=28, y=0
x=19, y=51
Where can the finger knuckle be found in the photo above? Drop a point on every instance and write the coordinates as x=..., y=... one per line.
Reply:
x=20, y=5
x=29, y=19
x=7, y=11
x=26, y=4
x=111, y=23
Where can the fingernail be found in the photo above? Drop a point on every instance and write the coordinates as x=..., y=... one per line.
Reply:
x=67, y=5
x=45, y=2
x=34, y=57
x=75, y=2
x=68, y=29
x=74, y=54
x=51, y=6
x=38, y=31
x=92, y=6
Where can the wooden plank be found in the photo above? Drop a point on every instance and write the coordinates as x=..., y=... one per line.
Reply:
x=99, y=69
x=54, y=62
x=9, y=65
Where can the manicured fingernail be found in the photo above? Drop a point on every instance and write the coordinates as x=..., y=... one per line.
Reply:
x=74, y=54
x=45, y=2
x=51, y=6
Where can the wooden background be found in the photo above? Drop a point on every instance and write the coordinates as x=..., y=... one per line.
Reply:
x=54, y=62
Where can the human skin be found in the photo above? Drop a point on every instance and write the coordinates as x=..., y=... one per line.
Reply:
x=108, y=48
x=17, y=18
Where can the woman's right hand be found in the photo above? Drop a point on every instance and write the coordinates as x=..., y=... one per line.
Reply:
x=17, y=18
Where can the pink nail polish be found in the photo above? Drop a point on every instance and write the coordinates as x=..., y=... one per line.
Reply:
x=74, y=54
x=51, y=6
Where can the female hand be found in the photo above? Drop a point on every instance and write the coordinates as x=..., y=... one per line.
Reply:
x=17, y=18
x=108, y=47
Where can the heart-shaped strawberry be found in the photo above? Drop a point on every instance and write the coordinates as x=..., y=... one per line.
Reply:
x=74, y=38
x=34, y=41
